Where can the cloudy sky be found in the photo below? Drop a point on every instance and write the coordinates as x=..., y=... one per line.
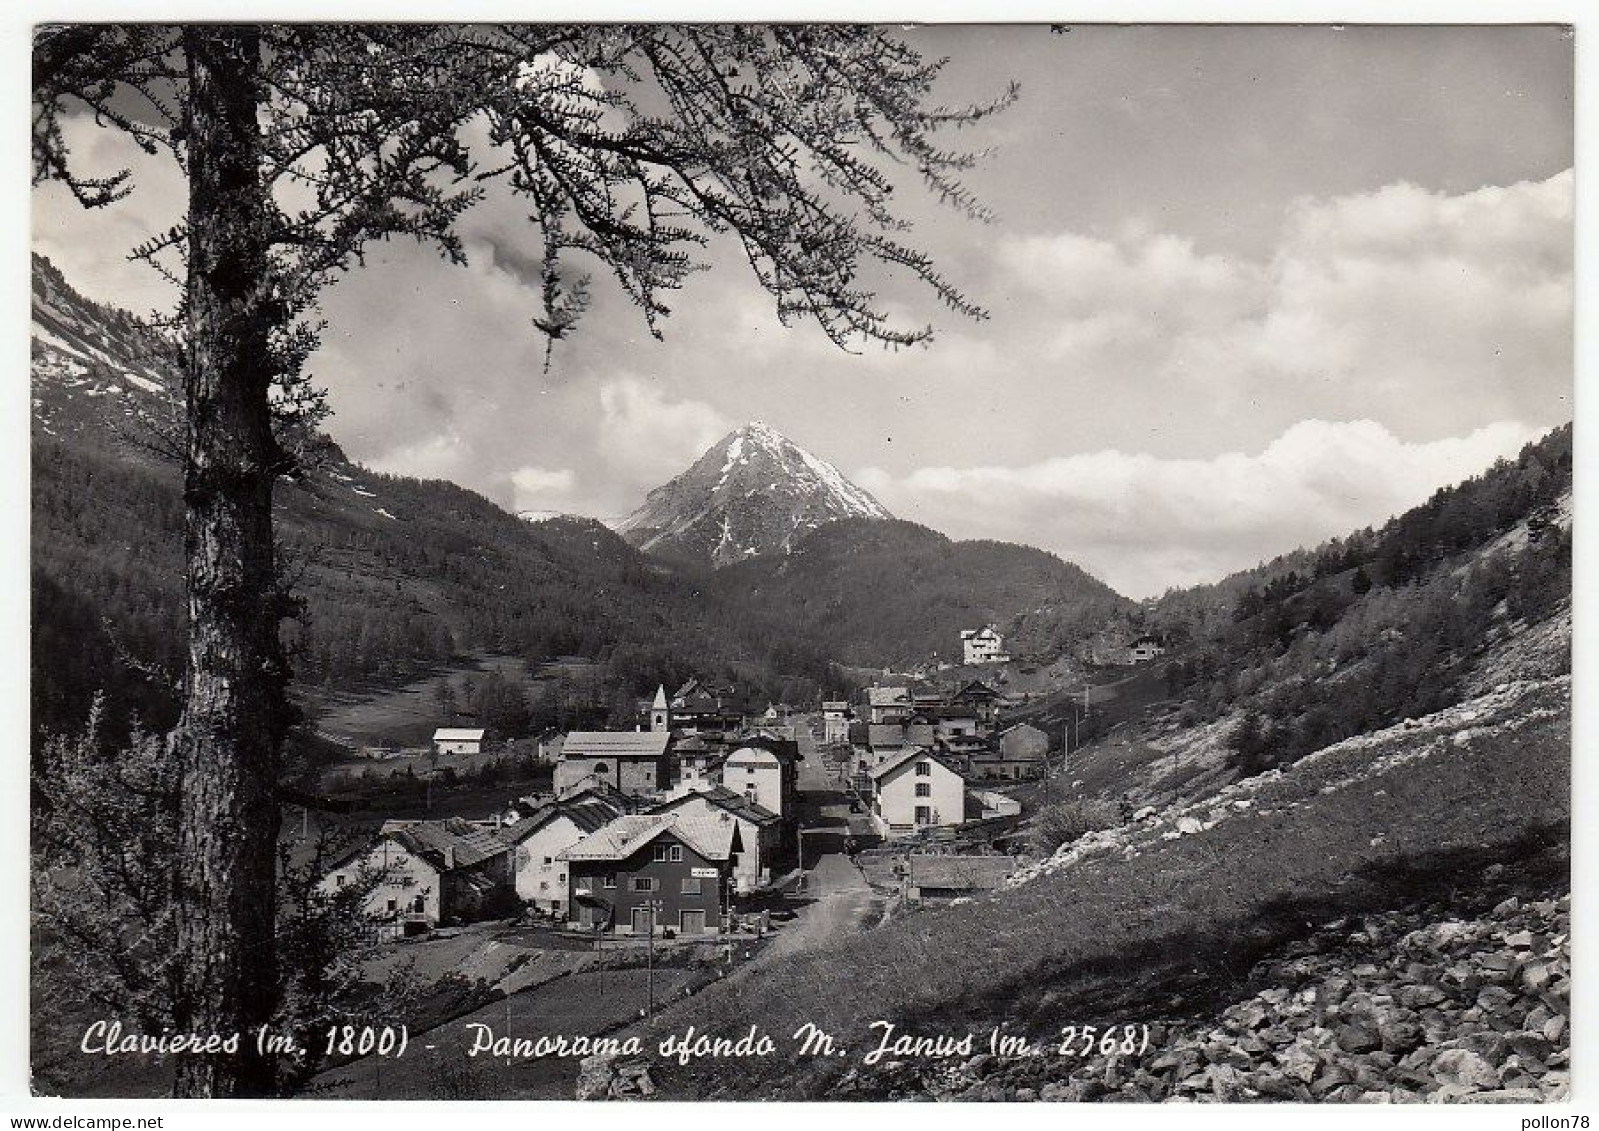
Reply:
x=1250, y=288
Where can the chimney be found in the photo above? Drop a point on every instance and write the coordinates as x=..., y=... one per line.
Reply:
x=449, y=857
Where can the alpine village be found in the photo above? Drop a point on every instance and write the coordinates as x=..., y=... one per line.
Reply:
x=761, y=756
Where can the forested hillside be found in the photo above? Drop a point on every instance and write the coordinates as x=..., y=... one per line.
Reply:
x=1381, y=625
x=394, y=574
x=875, y=591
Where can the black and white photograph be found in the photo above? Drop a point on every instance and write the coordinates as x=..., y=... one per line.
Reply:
x=856, y=562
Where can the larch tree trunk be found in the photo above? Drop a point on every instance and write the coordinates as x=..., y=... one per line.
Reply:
x=229, y=737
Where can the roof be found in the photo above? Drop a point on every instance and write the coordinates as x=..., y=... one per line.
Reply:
x=976, y=689
x=660, y=698
x=887, y=696
x=885, y=734
x=1024, y=726
x=712, y=838
x=959, y=873
x=835, y=704
x=615, y=744
x=895, y=761
x=620, y=838
x=472, y=844
x=724, y=798
x=588, y=814
x=458, y=734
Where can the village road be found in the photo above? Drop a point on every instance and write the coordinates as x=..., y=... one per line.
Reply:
x=839, y=900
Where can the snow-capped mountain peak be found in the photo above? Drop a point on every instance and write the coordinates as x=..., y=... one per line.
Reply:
x=754, y=492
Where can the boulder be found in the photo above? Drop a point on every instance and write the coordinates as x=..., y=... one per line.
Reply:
x=1462, y=1068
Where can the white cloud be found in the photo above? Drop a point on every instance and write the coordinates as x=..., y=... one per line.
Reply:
x=649, y=436
x=542, y=488
x=91, y=246
x=1144, y=523
x=1385, y=301
x=440, y=456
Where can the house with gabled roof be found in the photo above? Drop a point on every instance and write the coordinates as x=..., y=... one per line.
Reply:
x=661, y=872
x=887, y=705
x=431, y=872
x=541, y=837
x=916, y=789
x=760, y=830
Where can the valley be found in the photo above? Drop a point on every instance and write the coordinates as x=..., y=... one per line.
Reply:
x=1322, y=804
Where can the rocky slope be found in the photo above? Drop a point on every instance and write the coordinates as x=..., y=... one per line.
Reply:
x=754, y=492
x=1404, y=1007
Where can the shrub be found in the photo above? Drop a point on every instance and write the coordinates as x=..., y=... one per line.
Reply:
x=1064, y=823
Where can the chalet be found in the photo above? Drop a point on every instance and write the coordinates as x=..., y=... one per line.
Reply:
x=1144, y=649
x=979, y=697
x=654, y=872
x=431, y=872
x=983, y=646
x=542, y=836
x=458, y=740
x=836, y=717
x=887, y=704
x=634, y=762
x=760, y=830
x=705, y=708
x=916, y=789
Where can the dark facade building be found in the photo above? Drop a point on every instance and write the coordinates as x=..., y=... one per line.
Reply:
x=672, y=871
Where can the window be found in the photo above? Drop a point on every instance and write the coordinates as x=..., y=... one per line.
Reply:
x=338, y=881
x=544, y=885
x=601, y=768
x=749, y=769
x=691, y=885
x=561, y=879
x=392, y=906
x=677, y=853
x=643, y=883
x=548, y=860
x=924, y=815
x=660, y=853
x=419, y=905
x=924, y=769
x=610, y=879
x=924, y=789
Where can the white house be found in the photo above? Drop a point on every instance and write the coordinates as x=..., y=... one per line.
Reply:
x=1144, y=649
x=541, y=837
x=458, y=740
x=432, y=871
x=983, y=646
x=835, y=720
x=916, y=789
x=758, y=774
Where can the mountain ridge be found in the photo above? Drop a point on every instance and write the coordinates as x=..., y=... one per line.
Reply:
x=754, y=492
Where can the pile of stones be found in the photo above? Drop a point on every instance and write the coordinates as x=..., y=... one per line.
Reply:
x=1400, y=1007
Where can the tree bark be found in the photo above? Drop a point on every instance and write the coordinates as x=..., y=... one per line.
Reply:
x=229, y=737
